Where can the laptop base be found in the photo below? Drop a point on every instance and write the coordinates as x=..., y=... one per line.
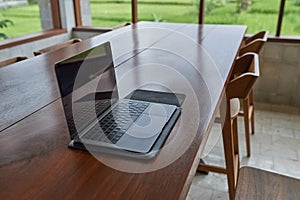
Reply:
x=129, y=154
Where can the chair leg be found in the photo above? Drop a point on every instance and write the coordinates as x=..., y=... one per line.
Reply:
x=251, y=102
x=235, y=135
x=229, y=160
x=252, y=122
x=246, y=122
x=230, y=144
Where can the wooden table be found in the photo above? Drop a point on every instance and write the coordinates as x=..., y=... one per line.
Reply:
x=35, y=161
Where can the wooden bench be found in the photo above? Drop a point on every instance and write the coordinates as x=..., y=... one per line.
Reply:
x=10, y=61
x=57, y=46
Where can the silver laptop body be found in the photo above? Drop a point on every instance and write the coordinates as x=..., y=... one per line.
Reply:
x=96, y=116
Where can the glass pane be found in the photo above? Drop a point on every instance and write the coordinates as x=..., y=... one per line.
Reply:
x=291, y=18
x=168, y=10
x=25, y=18
x=110, y=13
x=257, y=15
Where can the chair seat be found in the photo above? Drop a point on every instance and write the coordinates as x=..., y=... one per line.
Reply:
x=257, y=184
x=234, y=109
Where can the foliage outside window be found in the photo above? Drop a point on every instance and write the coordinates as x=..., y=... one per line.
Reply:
x=115, y=12
x=110, y=13
x=26, y=19
x=291, y=18
x=182, y=11
x=3, y=24
x=256, y=14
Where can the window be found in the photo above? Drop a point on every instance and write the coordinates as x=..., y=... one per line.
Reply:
x=49, y=21
x=257, y=15
x=291, y=18
x=25, y=18
x=185, y=11
x=110, y=13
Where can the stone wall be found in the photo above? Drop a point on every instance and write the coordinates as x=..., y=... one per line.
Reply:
x=279, y=82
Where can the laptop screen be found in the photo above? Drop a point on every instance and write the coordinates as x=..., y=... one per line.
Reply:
x=87, y=85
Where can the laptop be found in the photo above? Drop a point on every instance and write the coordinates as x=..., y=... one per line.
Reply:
x=97, y=119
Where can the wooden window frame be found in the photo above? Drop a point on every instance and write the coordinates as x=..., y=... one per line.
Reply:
x=280, y=17
x=276, y=38
x=78, y=16
x=57, y=29
x=77, y=11
x=134, y=19
x=55, y=12
x=134, y=11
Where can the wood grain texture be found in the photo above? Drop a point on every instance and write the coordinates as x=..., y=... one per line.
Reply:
x=257, y=184
x=57, y=46
x=10, y=61
x=35, y=162
x=33, y=80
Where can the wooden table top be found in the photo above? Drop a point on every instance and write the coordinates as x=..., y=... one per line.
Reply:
x=35, y=162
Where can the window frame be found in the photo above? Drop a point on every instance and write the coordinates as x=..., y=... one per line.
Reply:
x=276, y=38
x=57, y=29
x=57, y=24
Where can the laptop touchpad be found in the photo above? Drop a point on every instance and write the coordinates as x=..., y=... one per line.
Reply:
x=160, y=109
x=143, y=133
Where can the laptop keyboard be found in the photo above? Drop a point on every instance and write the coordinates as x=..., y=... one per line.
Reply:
x=84, y=113
x=115, y=123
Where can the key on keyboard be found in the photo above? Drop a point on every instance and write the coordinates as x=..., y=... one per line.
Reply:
x=114, y=125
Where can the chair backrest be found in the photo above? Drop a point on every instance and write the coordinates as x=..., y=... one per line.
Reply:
x=9, y=61
x=57, y=46
x=255, y=43
x=246, y=72
x=260, y=35
x=256, y=183
x=122, y=25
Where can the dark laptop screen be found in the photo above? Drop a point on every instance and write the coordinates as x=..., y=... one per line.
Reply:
x=84, y=78
x=90, y=64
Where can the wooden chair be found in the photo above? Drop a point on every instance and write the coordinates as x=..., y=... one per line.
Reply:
x=257, y=184
x=122, y=25
x=239, y=87
x=56, y=46
x=253, y=44
x=12, y=60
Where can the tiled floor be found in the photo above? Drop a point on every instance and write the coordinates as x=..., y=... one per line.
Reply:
x=275, y=146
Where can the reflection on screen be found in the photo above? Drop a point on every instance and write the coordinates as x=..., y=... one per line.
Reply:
x=87, y=85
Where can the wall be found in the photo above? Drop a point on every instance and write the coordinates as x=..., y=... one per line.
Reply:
x=86, y=34
x=279, y=82
x=28, y=48
x=85, y=10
